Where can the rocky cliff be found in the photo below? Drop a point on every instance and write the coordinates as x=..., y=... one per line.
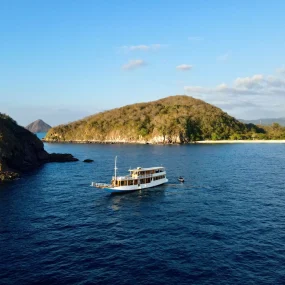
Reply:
x=38, y=126
x=20, y=150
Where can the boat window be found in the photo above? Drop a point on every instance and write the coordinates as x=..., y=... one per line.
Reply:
x=135, y=182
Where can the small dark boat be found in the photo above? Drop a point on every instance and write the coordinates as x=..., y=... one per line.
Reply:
x=181, y=179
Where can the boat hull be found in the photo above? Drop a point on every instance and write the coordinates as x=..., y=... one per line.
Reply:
x=124, y=189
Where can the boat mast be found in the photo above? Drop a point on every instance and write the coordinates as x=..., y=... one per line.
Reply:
x=116, y=168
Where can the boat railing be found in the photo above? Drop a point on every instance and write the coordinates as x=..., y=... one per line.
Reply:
x=138, y=176
x=122, y=178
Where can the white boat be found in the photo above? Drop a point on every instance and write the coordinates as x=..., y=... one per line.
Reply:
x=138, y=179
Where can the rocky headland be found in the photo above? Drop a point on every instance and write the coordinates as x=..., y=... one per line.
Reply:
x=21, y=150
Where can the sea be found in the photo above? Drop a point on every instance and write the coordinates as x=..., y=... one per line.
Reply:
x=40, y=135
x=224, y=225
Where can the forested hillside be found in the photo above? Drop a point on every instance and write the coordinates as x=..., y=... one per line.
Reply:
x=175, y=119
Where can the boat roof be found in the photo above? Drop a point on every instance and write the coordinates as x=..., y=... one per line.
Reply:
x=146, y=169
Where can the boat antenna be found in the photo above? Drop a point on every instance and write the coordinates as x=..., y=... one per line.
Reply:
x=116, y=168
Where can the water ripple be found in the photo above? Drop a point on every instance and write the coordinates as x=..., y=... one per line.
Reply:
x=224, y=225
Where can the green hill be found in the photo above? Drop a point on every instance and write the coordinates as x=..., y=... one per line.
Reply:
x=175, y=119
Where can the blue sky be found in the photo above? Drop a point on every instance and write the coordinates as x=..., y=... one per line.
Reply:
x=63, y=60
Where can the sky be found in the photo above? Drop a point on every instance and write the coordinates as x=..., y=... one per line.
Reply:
x=63, y=60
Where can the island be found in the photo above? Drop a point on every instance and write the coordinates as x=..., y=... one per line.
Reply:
x=38, y=126
x=176, y=119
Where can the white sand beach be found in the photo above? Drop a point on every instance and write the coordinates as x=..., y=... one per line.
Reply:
x=241, y=141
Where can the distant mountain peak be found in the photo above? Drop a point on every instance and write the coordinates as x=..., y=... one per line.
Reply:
x=265, y=121
x=38, y=126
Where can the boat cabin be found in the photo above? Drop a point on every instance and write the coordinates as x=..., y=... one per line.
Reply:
x=141, y=172
x=139, y=176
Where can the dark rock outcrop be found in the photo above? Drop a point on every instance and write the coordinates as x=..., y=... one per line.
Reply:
x=38, y=126
x=8, y=176
x=21, y=150
x=61, y=157
x=88, y=160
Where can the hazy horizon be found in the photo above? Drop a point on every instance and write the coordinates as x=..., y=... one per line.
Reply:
x=74, y=116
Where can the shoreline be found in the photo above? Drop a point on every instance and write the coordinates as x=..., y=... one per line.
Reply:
x=240, y=141
x=149, y=143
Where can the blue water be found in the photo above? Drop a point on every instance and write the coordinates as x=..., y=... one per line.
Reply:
x=224, y=225
x=41, y=135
